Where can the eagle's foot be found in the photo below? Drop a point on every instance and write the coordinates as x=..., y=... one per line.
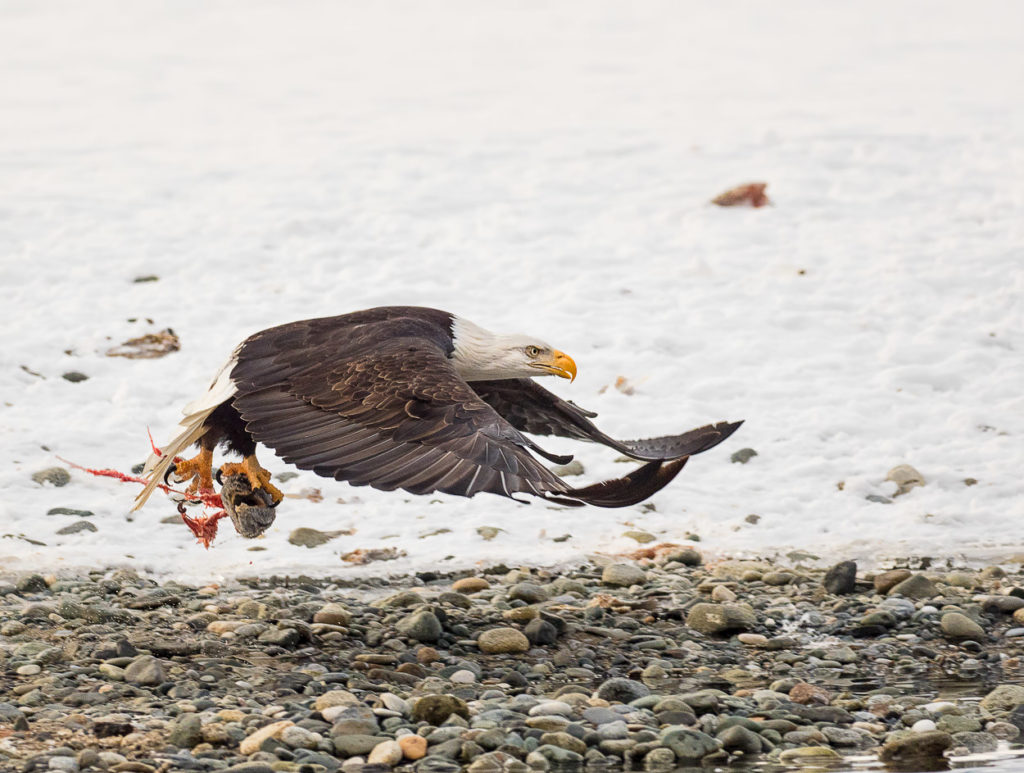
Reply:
x=258, y=477
x=199, y=470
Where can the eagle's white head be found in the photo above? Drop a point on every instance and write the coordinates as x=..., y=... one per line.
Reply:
x=480, y=355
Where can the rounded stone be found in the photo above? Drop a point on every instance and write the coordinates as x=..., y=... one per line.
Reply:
x=841, y=579
x=689, y=746
x=540, y=632
x=956, y=625
x=622, y=690
x=251, y=744
x=333, y=614
x=623, y=575
x=145, y=670
x=186, y=731
x=55, y=476
x=738, y=738
x=421, y=625
x=413, y=746
x=915, y=587
x=387, y=753
x=498, y=641
x=530, y=592
x=887, y=580
x=470, y=585
x=336, y=698
x=435, y=709
x=915, y=747
x=720, y=618
x=300, y=738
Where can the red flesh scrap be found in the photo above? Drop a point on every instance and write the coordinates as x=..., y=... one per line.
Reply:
x=204, y=527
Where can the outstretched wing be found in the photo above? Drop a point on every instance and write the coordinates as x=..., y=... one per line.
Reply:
x=531, y=408
x=380, y=404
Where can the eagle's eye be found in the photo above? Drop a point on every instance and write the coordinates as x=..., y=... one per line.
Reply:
x=532, y=351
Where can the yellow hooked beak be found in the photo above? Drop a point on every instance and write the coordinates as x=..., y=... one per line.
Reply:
x=559, y=364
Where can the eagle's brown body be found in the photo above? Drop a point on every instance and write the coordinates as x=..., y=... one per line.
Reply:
x=378, y=398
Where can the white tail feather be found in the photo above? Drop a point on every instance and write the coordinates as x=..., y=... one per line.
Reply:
x=196, y=414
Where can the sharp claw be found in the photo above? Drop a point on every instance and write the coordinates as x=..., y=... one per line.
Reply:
x=219, y=477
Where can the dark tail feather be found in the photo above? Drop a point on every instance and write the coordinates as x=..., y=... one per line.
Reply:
x=640, y=484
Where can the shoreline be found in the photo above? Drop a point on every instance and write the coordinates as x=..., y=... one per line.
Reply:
x=669, y=664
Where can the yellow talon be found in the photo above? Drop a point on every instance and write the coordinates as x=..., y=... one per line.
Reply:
x=254, y=472
x=198, y=469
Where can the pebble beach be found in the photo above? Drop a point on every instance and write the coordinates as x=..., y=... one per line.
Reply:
x=655, y=661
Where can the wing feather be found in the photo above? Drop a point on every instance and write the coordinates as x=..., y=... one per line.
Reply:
x=373, y=399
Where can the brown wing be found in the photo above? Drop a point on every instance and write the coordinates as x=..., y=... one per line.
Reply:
x=380, y=404
x=531, y=408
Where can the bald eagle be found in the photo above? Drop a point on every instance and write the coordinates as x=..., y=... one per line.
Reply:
x=408, y=398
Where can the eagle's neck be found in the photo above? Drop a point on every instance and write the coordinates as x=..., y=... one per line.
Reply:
x=480, y=355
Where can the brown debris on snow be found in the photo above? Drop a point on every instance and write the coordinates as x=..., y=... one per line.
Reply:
x=147, y=347
x=748, y=193
x=362, y=556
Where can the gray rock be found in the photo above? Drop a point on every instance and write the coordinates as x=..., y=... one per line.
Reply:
x=712, y=619
x=352, y=720
x=738, y=738
x=310, y=538
x=916, y=748
x=529, y=592
x=622, y=690
x=281, y=637
x=623, y=575
x=1004, y=698
x=249, y=767
x=958, y=723
x=435, y=709
x=422, y=625
x=74, y=376
x=916, y=587
x=76, y=527
x=687, y=557
x=689, y=746
x=841, y=579
x=886, y=581
x=600, y=715
x=497, y=762
x=1004, y=604
x=743, y=456
x=69, y=511
x=32, y=583
x=553, y=755
x=959, y=626
x=145, y=670
x=540, y=632
x=186, y=731
x=353, y=745
x=843, y=736
x=56, y=476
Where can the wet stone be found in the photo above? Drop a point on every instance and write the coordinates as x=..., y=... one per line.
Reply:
x=78, y=526
x=55, y=476
x=841, y=579
x=915, y=587
x=69, y=511
x=621, y=690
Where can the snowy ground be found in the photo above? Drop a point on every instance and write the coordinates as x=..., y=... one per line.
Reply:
x=541, y=168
